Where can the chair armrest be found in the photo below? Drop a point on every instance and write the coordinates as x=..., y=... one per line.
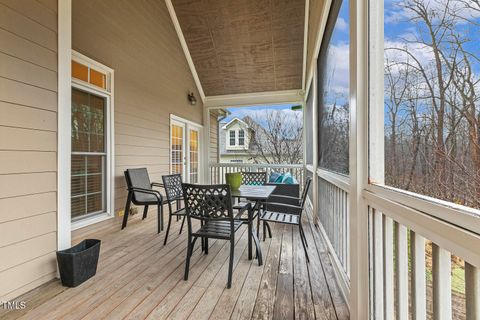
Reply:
x=157, y=184
x=241, y=210
x=288, y=207
x=247, y=206
x=149, y=191
x=285, y=197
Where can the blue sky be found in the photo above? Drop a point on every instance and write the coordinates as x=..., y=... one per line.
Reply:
x=255, y=110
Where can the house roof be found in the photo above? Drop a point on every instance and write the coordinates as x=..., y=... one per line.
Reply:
x=228, y=124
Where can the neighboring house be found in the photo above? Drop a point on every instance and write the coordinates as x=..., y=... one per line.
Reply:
x=234, y=141
x=216, y=116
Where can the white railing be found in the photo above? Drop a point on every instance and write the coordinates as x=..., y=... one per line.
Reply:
x=421, y=267
x=333, y=214
x=218, y=170
x=334, y=217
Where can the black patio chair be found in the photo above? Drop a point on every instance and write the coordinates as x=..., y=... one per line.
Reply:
x=254, y=178
x=174, y=192
x=212, y=205
x=141, y=193
x=293, y=218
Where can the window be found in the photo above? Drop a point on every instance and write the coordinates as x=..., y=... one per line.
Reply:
x=89, y=75
x=194, y=156
x=333, y=91
x=232, y=135
x=88, y=153
x=241, y=137
x=90, y=158
x=431, y=107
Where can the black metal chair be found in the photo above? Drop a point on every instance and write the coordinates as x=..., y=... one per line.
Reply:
x=293, y=218
x=254, y=178
x=212, y=205
x=174, y=192
x=141, y=193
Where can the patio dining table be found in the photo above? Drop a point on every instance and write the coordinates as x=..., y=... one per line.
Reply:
x=257, y=194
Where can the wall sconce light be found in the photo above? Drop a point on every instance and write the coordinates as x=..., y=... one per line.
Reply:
x=192, y=99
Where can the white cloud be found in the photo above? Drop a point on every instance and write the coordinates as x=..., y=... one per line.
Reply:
x=341, y=24
x=338, y=68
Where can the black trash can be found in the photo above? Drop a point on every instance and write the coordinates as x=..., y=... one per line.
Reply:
x=79, y=263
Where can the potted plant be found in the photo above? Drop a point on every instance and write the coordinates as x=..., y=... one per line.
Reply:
x=234, y=180
x=79, y=263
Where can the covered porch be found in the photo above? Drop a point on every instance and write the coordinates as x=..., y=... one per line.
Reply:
x=89, y=89
x=140, y=278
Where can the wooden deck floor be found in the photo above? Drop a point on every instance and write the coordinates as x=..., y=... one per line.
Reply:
x=139, y=278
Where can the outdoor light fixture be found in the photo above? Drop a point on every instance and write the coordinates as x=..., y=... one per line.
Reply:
x=192, y=99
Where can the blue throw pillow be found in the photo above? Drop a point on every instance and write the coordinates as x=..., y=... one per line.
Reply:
x=288, y=179
x=273, y=177
x=279, y=179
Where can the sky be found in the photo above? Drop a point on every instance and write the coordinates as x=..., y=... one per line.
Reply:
x=257, y=111
x=397, y=28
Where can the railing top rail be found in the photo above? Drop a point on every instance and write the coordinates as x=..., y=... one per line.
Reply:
x=255, y=165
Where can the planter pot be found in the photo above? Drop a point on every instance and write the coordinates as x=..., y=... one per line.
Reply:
x=234, y=180
x=79, y=263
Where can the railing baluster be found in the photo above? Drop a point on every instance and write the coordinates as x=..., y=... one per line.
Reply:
x=442, y=283
x=472, y=291
x=378, y=264
x=419, y=296
x=401, y=274
x=388, y=298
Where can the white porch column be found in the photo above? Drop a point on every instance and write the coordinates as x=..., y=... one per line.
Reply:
x=315, y=128
x=64, y=147
x=359, y=277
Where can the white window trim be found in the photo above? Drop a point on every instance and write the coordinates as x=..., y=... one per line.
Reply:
x=108, y=94
x=244, y=138
x=187, y=124
x=237, y=145
x=229, y=137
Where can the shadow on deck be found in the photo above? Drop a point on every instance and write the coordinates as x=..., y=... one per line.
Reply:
x=139, y=278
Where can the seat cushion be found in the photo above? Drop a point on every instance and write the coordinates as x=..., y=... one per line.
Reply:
x=280, y=217
x=145, y=198
x=217, y=229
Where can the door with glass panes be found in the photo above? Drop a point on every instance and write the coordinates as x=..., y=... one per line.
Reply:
x=185, y=150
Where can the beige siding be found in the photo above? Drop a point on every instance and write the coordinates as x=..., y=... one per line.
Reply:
x=28, y=144
x=152, y=78
x=214, y=138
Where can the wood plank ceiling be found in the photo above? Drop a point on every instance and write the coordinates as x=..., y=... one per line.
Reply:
x=244, y=46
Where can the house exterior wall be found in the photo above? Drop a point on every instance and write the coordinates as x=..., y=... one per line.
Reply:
x=28, y=144
x=152, y=78
x=214, y=155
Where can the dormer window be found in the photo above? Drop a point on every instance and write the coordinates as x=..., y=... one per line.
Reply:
x=241, y=137
x=233, y=139
x=236, y=135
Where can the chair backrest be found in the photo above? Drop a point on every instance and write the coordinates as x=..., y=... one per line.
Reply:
x=208, y=202
x=308, y=182
x=254, y=178
x=173, y=186
x=137, y=178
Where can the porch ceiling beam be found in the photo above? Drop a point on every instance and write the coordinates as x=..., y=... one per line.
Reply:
x=183, y=43
x=257, y=98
